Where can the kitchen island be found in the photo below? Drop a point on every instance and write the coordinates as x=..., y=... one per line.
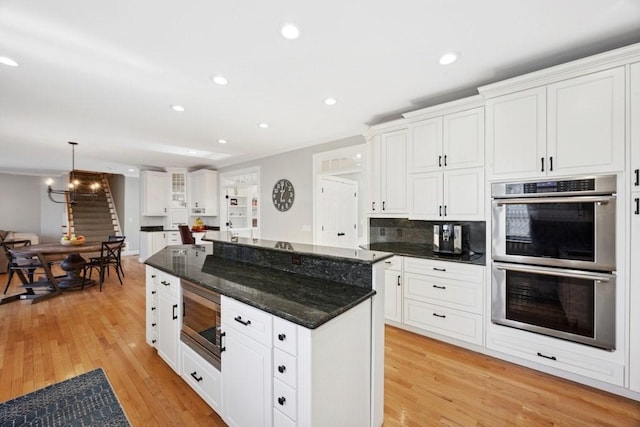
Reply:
x=330, y=299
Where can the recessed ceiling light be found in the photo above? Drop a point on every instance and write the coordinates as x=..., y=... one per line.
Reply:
x=449, y=58
x=192, y=151
x=330, y=101
x=290, y=31
x=177, y=107
x=220, y=80
x=263, y=125
x=8, y=61
x=222, y=141
x=131, y=170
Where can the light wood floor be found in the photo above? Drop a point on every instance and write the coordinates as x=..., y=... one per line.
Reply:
x=426, y=382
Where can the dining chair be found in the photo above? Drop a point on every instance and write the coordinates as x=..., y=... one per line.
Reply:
x=186, y=236
x=109, y=257
x=20, y=265
x=114, y=238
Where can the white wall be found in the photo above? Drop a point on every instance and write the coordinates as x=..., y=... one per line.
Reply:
x=295, y=225
x=130, y=215
x=20, y=201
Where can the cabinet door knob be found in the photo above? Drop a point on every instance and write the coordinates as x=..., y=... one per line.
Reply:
x=282, y=337
x=281, y=400
x=282, y=368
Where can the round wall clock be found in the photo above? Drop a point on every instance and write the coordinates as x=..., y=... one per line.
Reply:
x=283, y=195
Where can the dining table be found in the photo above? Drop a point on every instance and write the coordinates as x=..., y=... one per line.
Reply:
x=71, y=262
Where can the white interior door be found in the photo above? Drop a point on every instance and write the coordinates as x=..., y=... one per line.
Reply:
x=337, y=212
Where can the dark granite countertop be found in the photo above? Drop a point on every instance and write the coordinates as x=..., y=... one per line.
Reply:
x=306, y=301
x=419, y=250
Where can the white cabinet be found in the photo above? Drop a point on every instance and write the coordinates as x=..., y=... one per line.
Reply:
x=634, y=277
x=203, y=192
x=169, y=319
x=151, y=306
x=177, y=188
x=446, y=173
x=568, y=127
x=393, y=289
x=445, y=298
x=452, y=195
x=153, y=241
x=389, y=172
x=153, y=193
x=202, y=377
x=246, y=362
x=571, y=357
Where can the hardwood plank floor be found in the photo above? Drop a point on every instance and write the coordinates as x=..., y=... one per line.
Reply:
x=426, y=382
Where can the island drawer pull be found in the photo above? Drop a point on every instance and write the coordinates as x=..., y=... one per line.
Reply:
x=281, y=400
x=222, y=347
x=195, y=377
x=239, y=320
x=439, y=287
x=439, y=269
x=442, y=316
x=282, y=369
x=282, y=337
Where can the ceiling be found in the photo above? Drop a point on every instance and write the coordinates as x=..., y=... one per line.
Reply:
x=105, y=74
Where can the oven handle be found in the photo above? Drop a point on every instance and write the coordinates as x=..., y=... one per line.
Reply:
x=554, y=272
x=575, y=199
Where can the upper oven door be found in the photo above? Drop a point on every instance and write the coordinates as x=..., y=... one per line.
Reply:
x=571, y=232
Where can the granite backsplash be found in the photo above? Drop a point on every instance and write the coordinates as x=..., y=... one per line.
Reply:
x=385, y=230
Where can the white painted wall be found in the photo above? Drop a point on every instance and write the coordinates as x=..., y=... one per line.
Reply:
x=20, y=203
x=295, y=225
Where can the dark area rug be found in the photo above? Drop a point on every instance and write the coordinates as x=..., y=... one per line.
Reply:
x=85, y=400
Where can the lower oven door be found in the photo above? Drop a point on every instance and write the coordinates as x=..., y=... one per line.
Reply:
x=573, y=305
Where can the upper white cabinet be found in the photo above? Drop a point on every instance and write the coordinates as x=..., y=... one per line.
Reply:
x=571, y=126
x=446, y=159
x=203, y=192
x=452, y=141
x=389, y=172
x=153, y=193
x=177, y=188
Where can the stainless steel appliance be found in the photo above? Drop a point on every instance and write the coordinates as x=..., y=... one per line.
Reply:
x=447, y=239
x=554, y=262
x=574, y=305
x=568, y=223
x=201, y=322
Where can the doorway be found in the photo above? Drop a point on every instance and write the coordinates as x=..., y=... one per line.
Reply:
x=239, y=203
x=337, y=212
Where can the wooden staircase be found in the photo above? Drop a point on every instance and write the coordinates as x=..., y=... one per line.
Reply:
x=95, y=216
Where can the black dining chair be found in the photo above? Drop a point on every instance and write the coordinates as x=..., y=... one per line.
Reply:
x=109, y=257
x=20, y=265
x=114, y=238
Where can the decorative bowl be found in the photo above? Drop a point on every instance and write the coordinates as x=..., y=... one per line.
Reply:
x=64, y=242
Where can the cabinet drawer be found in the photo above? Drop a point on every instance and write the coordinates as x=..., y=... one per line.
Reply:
x=285, y=399
x=453, y=323
x=281, y=420
x=248, y=320
x=393, y=263
x=544, y=351
x=168, y=283
x=285, y=367
x=450, y=270
x=202, y=377
x=455, y=294
x=285, y=335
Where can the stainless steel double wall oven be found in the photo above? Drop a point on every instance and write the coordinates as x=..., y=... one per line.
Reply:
x=554, y=258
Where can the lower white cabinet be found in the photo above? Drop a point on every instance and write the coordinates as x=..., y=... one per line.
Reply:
x=393, y=289
x=169, y=319
x=445, y=298
x=575, y=358
x=202, y=377
x=275, y=372
x=151, y=306
x=246, y=364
